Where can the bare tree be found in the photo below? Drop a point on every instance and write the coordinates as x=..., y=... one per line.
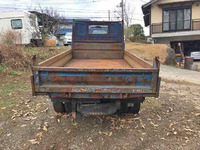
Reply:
x=129, y=10
x=48, y=21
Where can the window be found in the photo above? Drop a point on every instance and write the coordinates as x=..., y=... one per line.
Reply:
x=176, y=19
x=98, y=29
x=16, y=24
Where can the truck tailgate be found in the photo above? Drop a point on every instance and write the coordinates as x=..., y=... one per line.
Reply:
x=96, y=82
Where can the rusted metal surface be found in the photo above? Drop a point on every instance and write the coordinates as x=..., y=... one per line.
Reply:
x=98, y=63
x=116, y=83
x=98, y=46
x=97, y=54
x=135, y=61
x=63, y=61
x=54, y=59
x=68, y=69
x=33, y=85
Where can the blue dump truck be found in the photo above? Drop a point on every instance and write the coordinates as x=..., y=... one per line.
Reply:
x=97, y=76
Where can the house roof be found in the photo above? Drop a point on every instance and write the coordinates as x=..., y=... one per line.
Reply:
x=147, y=5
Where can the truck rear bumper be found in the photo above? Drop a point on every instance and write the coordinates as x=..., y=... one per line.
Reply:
x=96, y=92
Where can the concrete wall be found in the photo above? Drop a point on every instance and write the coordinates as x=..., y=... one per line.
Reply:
x=172, y=39
x=156, y=9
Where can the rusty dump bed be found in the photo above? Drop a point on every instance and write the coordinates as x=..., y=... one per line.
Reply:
x=97, y=67
x=65, y=60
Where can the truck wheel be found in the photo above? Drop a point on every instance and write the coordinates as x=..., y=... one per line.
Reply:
x=58, y=107
x=68, y=107
x=135, y=109
x=127, y=109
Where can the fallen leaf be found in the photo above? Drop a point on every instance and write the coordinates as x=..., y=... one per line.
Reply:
x=159, y=118
x=14, y=110
x=45, y=128
x=44, y=111
x=34, y=141
x=136, y=127
x=30, y=118
x=189, y=130
x=155, y=125
x=3, y=108
x=171, y=124
x=46, y=124
x=66, y=116
x=198, y=114
x=39, y=134
x=106, y=133
x=26, y=114
x=69, y=131
x=110, y=134
x=24, y=125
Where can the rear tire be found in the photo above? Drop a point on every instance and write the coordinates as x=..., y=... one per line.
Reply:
x=58, y=107
x=68, y=107
x=135, y=109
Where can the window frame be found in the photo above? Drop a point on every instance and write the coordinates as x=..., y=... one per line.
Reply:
x=16, y=20
x=108, y=32
x=176, y=10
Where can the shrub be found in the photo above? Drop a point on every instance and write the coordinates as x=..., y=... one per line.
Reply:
x=11, y=53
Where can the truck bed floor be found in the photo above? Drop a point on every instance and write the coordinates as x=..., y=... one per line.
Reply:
x=98, y=63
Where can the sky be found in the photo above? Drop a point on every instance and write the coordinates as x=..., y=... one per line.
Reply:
x=92, y=9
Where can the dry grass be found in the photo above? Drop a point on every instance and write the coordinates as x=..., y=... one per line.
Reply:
x=50, y=43
x=12, y=54
x=148, y=51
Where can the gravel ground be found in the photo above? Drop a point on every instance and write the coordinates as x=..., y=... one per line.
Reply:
x=170, y=122
x=182, y=75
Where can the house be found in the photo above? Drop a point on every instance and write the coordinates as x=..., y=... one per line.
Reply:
x=22, y=23
x=175, y=23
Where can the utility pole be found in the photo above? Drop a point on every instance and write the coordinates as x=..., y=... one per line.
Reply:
x=122, y=6
x=109, y=15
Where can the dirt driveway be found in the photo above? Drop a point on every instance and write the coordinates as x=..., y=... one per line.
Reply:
x=169, y=122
